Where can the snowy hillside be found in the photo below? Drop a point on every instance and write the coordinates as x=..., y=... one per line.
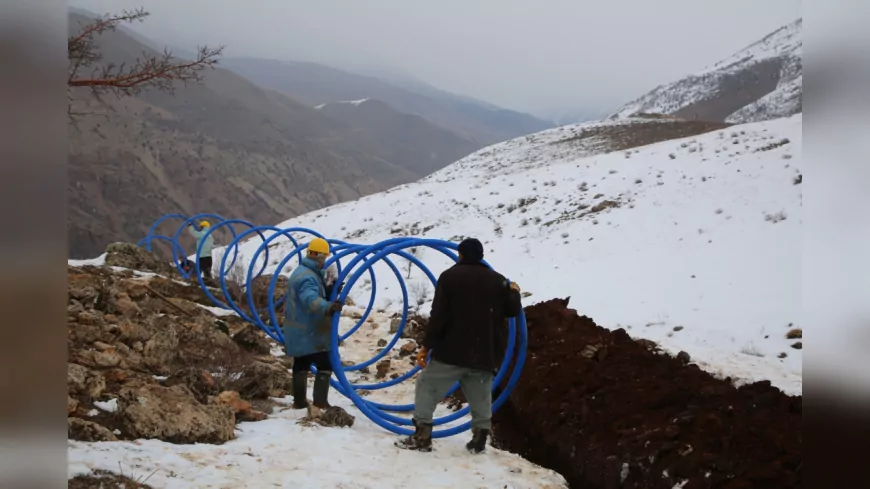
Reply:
x=693, y=243
x=761, y=82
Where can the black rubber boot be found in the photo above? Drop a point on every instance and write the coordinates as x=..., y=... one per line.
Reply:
x=420, y=441
x=300, y=385
x=478, y=440
x=321, y=389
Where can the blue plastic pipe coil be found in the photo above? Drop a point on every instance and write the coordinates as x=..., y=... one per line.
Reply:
x=352, y=261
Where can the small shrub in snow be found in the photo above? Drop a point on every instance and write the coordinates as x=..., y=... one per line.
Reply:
x=598, y=196
x=537, y=220
x=419, y=291
x=612, y=172
x=798, y=179
x=703, y=179
x=524, y=222
x=786, y=157
x=638, y=181
x=795, y=334
x=693, y=149
x=500, y=206
x=564, y=235
x=595, y=221
x=751, y=349
x=718, y=211
x=775, y=218
x=672, y=156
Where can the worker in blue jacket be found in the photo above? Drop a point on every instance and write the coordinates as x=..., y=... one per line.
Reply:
x=307, y=325
x=205, y=260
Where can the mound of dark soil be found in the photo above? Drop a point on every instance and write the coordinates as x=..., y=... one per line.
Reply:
x=627, y=136
x=606, y=412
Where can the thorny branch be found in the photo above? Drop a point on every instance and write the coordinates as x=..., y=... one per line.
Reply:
x=150, y=71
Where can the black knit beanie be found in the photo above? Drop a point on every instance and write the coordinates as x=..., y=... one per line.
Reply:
x=471, y=250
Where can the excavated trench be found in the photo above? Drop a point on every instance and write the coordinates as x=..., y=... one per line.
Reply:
x=607, y=412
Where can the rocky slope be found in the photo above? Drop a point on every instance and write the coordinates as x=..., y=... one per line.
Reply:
x=226, y=146
x=317, y=84
x=762, y=81
x=136, y=335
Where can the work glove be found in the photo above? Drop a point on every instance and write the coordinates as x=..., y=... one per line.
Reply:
x=421, y=357
x=515, y=287
x=335, y=307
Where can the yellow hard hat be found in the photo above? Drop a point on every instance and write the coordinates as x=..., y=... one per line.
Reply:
x=204, y=224
x=319, y=245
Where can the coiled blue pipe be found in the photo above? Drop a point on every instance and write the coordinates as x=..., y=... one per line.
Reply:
x=362, y=260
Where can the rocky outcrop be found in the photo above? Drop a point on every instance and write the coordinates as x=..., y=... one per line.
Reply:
x=259, y=380
x=170, y=372
x=82, y=430
x=173, y=414
x=128, y=255
x=82, y=382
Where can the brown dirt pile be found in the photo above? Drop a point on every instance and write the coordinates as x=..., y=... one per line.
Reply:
x=605, y=411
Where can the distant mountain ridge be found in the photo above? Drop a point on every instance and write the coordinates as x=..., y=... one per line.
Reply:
x=760, y=82
x=316, y=84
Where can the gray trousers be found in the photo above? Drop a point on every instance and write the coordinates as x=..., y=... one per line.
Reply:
x=437, y=378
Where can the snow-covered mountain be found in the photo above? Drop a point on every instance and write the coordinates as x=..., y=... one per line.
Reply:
x=693, y=242
x=761, y=82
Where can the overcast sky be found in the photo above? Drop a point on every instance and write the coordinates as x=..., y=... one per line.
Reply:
x=536, y=56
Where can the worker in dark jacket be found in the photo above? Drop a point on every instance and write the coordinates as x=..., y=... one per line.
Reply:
x=467, y=335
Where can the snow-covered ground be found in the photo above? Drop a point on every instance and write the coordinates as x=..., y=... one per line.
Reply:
x=278, y=452
x=695, y=243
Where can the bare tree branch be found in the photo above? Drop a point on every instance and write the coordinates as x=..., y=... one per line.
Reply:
x=158, y=72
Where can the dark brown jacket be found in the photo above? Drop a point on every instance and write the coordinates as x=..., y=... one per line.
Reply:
x=467, y=325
